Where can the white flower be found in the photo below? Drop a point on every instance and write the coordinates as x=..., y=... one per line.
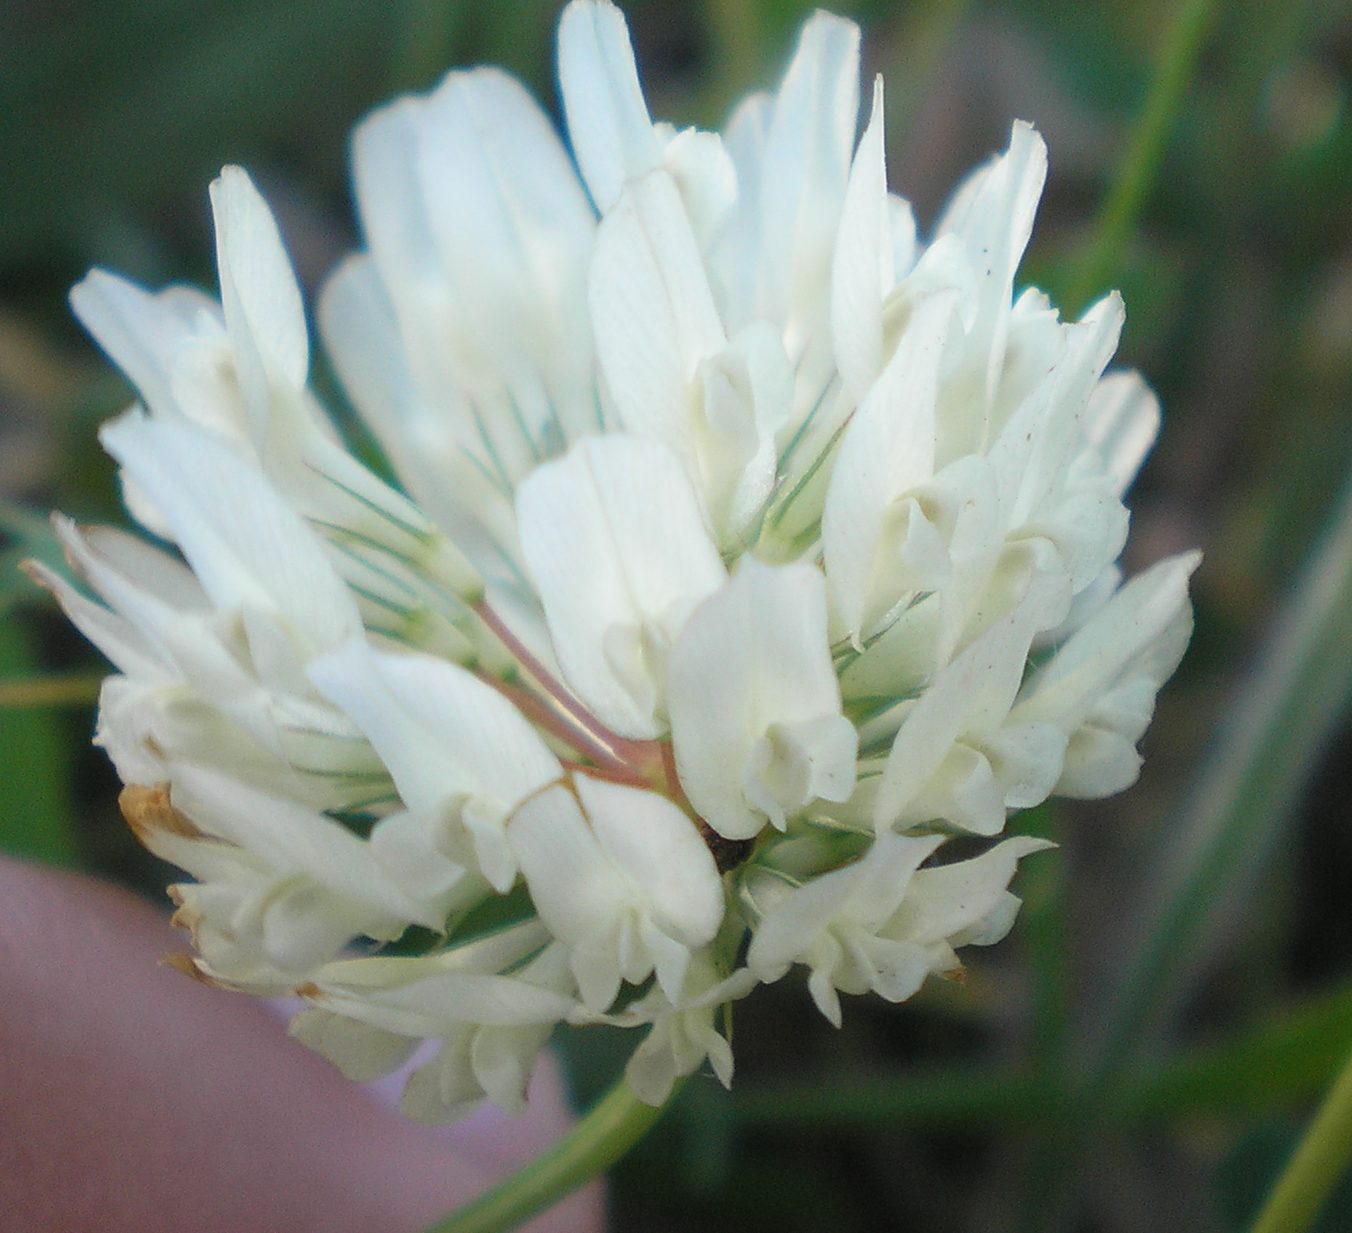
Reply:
x=956, y=757
x=460, y=754
x=884, y=924
x=742, y=548
x=621, y=876
x=279, y=889
x=755, y=707
x=369, y=1015
x=683, y=1033
x=619, y=512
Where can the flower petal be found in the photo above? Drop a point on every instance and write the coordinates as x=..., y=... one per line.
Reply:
x=862, y=269
x=454, y=746
x=755, y=705
x=612, y=134
x=263, y=311
x=660, y=851
x=629, y=885
x=888, y=449
x=806, y=165
x=244, y=543
x=968, y=702
x=618, y=549
x=652, y=310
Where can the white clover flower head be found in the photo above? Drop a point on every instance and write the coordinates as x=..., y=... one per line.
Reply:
x=742, y=548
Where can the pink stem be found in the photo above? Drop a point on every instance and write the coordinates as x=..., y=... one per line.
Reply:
x=560, y=712
x=545, y=714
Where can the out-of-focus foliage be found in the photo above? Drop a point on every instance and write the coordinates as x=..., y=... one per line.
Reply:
x=1238, y=281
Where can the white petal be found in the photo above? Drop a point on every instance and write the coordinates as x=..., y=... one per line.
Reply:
x=943, y=902
x=503, y=1059
x=363, y=1053
x=455, y=747
x=141, y=332
x=1027, y=760
x=738, y=426
x=683, y=1036
x=578, y=893
x=652, y=310
x=386, y=168
x=806, y=163
x=863, y=894
x=1121, y=424
x=963, y=792
x=700, y=164
x=608, y=122
x=292, y=839
x=1037, y=469
x=513, y=230
x=629, y=891
x=862, y=270
x=1099, y=762
x=752, y=691
x=165, y=605
x=659, y=849
x=618, y=549
x=246, y=546
x=887, y=450
x=424, y=441
x=361, y=335
x=116, y=637
x=993, y=213
x=444, y=1089
x=971, y=697
x=1071, y=681
x=409, y=847
x=737, y=256
x=433, y=1001
x=263, y=311
x=500, y=189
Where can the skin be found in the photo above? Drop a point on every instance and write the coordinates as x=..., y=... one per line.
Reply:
x=133, y=1098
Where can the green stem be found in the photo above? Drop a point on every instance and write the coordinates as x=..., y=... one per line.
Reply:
x=1140, y=167
x=1320, y=1160
x=611, y=1127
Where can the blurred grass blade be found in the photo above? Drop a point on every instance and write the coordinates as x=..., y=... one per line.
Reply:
x=1260, y=761
x=49, y=689
x=1307, y=1182
x=1262, y=757
x=1263, y=1067
x=960, y=1096
x=1266, y=1067
x=29, y=535
x=1044, y=933
x=1140, y=167
x=35, y=798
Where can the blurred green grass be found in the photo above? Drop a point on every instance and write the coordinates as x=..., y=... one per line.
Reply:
x=1238, y=280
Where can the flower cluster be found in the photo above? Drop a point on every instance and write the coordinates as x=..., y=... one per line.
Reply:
x=744, y=551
